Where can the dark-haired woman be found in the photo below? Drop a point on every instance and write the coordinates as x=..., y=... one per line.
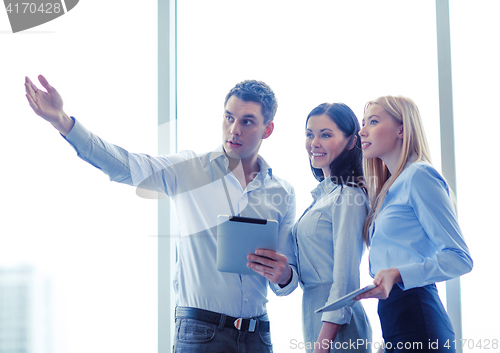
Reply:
x=329, y=235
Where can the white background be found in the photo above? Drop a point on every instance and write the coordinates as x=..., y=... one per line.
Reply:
x=96, y=239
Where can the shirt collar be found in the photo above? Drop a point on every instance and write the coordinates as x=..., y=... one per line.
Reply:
x=217, y=153
x=325, y=187
x=264, y=167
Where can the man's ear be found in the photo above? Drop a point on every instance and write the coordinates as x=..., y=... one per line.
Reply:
x=269, y=130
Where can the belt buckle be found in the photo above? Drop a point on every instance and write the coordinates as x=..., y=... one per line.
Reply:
x=251, y=326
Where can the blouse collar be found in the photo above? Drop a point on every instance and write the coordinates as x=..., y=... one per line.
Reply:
x=325, y=187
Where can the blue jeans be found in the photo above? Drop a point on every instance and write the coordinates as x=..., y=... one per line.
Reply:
x=194, y=336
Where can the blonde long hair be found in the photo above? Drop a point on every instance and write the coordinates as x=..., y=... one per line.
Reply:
x=377, y=176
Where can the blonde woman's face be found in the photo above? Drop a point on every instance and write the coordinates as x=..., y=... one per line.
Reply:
x=381, y=136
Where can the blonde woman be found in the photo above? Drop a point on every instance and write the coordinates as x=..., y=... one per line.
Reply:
x=414, y=235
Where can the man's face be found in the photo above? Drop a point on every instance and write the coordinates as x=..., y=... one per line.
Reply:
x=243, y=129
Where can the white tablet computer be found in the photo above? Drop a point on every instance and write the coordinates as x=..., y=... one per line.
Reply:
x=346, y=300
x=239, y=236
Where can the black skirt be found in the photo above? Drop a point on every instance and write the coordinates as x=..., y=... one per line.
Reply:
x=415, y=321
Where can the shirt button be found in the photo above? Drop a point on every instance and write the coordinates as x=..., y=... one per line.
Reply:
x=246, y=299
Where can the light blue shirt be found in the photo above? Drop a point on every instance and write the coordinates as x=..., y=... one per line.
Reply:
x=194, y=183
x=329, y=239
x=417, y=230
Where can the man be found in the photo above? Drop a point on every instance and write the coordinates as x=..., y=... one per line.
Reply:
x=215, y=311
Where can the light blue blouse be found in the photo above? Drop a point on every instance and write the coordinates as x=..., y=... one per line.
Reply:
x=329, y=243
x=417, y=230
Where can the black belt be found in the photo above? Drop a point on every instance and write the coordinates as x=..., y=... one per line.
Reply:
x=222, y=320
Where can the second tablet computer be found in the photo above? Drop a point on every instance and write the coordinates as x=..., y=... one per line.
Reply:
x=239, y=236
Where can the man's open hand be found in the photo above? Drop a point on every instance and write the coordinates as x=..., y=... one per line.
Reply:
x=48, y=105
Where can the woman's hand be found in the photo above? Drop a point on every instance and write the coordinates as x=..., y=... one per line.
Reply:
x=384, y=281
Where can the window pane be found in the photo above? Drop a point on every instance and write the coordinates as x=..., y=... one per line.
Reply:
x=78, y=267
x=324, y=51
x=475, y=57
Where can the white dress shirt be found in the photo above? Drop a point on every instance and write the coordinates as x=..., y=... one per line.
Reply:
x=194, y=183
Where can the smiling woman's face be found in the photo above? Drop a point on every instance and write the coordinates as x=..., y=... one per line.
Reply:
x=324, y=142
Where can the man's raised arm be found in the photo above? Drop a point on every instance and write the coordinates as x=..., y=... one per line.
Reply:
x=136, y=169
x=48, y=105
